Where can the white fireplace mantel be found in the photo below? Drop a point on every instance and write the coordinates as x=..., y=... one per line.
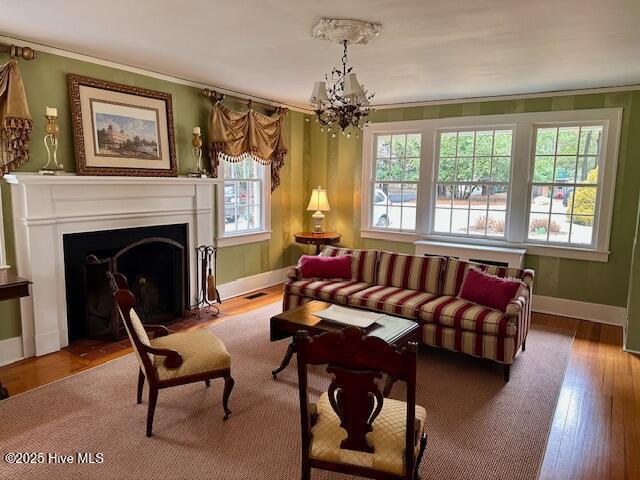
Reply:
x=45, y=208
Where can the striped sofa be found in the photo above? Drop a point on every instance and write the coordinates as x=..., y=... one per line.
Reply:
x=425, y=289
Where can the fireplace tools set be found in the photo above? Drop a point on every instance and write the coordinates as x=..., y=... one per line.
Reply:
x=208, y=294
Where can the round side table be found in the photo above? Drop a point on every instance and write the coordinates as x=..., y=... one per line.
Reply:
x=317, y=239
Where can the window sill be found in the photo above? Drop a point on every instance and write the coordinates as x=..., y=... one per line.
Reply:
x=575, y=253
x=243, y=238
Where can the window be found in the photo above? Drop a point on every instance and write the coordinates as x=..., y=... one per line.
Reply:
x=472, y=182
x=544, y=180
x=564, y=191
x=395, y=181
x=244, y=202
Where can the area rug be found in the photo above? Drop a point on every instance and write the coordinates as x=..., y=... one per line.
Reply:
x=478, y=426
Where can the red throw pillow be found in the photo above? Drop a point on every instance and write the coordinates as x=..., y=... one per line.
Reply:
x=488, y=290
x=325, y=267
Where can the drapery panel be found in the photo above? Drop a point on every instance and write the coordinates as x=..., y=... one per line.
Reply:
x=235, y=136
x=15, y=120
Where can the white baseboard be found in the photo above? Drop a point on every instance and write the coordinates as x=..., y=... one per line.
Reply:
x=10, y=350
x=252, y=283
x=594, y=312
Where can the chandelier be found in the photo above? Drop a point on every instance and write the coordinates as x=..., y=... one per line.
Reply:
x=341, y=102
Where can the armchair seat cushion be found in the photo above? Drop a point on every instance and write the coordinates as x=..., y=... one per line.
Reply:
x=393, y=300
x=201, y=351
x=461, y=314
x=336, y=290
x=387, y=437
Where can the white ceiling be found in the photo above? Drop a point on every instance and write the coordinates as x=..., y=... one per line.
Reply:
x=428, y=50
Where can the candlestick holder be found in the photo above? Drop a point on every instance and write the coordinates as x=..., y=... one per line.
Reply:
x=52, y=167
x=196, y=151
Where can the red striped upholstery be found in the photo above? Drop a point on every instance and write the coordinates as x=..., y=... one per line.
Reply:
x=363, y=265
x=463, y=315
x=393, y=300
x=499, y=349
x=410, y=271
x=329, y=290
x=291, y=301
x=455, y=269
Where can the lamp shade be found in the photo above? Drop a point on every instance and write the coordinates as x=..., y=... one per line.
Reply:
x=318, y=200
x=350, y=87
x=319, y=93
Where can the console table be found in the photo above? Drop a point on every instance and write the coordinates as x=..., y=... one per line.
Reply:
x=11, y=286
x=317, y=239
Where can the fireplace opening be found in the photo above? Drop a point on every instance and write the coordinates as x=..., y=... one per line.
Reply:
x=153, y=259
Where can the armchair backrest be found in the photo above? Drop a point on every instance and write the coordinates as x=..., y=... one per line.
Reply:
x=357, y=363
x=125, y=303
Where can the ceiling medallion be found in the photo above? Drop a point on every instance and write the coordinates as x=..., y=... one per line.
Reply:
x=340, y=101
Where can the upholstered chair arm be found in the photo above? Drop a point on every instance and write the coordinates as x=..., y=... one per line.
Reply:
x=173, y=360
x=157, y=330
x=528, y=276
x=294, y=274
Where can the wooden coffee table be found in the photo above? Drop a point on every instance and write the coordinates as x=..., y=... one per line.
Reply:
x=394, y=330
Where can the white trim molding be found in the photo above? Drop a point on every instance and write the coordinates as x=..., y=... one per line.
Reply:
x=10, y=350
x=259, y=281
x=513, y=257
x=593, y=312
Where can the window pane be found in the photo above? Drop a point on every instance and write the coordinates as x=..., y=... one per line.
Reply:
x=229, y=220
x=546, y=141
x=496, y=223
x=394, y=216
x=479, y=197
x=442, y=221
x=498, y=197
x=384, y=146
x=448, y=144
x=255, y=194
x=394, y=193
x=560, y=198
x=482, y=169
x=396, y=170
x=408, y=218
x=412, y=169
x=587, y=170
x=230, y=189
x=380, y=217
x=484, y=143
x=568, y=140
x=559, y=228
x=461, y=195
x=255, y=214
x=538, y=226
x=446, y=169
x=444, y=196
x=502, y=143
x=590, y=140
x=543, y=169
x=464, y=170
x=380, y=194
x=398, y=143
x=465, y=144
x=413, y=144
x=541, y=198
x=477, y=222
x=243, y=193
x=242, y=219
x=409, y=194
x=383, y=169
x=459, y=221
x=583, y=201
x=565, y=169
x=501, y=169
x=582, y=230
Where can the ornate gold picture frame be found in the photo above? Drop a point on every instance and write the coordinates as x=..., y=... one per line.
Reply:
x=121, y=130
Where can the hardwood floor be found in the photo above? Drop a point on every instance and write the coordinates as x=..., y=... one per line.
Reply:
x=595, y=432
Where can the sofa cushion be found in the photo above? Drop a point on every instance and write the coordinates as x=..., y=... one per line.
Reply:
x=489, y=290
x=464, y=315
x=414, y=272
x=393, y=300
x=363, y=264
x=454, y=274
x=329, y=290
x=316, y=266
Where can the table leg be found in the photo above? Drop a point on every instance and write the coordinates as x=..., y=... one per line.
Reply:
x=4, y=393
x=285, y=361
x=388, y=385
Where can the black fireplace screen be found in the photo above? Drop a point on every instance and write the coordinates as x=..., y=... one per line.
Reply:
x=154, y=261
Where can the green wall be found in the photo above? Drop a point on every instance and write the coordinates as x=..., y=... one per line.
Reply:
x=45, y=81
x=633, y=312
x=337, y=163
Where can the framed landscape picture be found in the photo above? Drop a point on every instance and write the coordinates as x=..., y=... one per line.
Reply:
x=121, y=130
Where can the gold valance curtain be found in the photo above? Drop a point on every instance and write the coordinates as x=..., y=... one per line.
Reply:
x=235, y=136
x=15, y=120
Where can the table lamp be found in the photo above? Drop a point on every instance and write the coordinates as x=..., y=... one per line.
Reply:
x=319, y=203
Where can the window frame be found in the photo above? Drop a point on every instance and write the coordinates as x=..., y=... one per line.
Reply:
x=225, y=239
x=520, y=185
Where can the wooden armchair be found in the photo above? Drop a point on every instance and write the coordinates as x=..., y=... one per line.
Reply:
x=167, y=360
x=353, y=429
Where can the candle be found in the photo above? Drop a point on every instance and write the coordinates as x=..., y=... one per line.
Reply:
x=196, y=130
x=51, y=112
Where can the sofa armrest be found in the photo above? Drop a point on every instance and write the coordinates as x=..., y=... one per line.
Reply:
x=294, y=274
x=517, y=305
x=528, y=276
